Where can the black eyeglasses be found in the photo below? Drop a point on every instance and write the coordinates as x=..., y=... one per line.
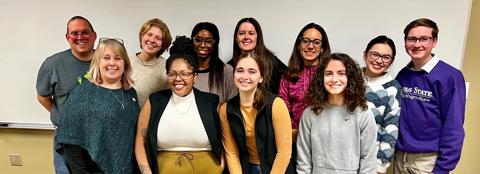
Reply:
x=183, y=75
x=424, y=40
x=199, y=40
x=104, y=39
x=306, y=41
x=375, y=55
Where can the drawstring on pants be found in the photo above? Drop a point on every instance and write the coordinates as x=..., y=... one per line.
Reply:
x=188, y=156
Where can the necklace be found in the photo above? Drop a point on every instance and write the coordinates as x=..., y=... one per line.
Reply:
x=118, y=100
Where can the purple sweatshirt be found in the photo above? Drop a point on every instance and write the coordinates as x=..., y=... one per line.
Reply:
x=432, y=113
x=293, y=93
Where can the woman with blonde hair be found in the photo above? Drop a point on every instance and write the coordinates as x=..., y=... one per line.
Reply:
x=98, y=123
x=148, y=65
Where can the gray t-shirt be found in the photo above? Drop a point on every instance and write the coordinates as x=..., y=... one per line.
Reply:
x=58, y=75
x=228, y=91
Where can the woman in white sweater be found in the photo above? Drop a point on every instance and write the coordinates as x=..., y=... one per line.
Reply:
x=148, y=66
x=337, y=133
x=384, y=97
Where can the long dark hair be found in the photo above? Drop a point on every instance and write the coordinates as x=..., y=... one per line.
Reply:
x=296, y=63
x=317, y=96
x=261, y=50
x=260, y=92
x=215, y=64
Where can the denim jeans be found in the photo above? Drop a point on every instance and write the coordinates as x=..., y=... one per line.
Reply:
x=255, y=168
x=59, y=163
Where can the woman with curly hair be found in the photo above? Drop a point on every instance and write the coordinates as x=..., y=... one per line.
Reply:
x=337, y=133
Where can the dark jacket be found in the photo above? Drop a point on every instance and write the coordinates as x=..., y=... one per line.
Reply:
x=207, y=104
x=264, y=134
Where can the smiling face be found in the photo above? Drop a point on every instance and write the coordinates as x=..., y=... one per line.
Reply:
x=203, y=43
x=111, y=68
x=335, y=79
x=181, y=77
x=247, y=75
x=151, y=41
x=307, y=47
x=80, y=37
x=378, y=59
x=246, y=37
x=417, y=50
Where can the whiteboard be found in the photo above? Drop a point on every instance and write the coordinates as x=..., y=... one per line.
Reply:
x=33, y=30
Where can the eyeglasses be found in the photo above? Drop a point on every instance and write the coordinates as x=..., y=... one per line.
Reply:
x=375, y=55
x=423, y=40
x=75, y=34
x=105, y=39
x=207, y=41
x=183, y=75
x=316, y=42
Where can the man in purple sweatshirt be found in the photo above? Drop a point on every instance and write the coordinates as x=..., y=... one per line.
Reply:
x=433, y=107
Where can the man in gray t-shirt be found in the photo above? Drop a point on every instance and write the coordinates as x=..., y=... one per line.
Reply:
x=62, y=72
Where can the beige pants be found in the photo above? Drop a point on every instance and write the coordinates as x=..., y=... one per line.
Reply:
x=188, y=163
x=413, y=163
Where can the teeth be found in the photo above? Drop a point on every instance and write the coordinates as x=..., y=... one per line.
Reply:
x=336, y=85
x=150, y=44
x=178, y=86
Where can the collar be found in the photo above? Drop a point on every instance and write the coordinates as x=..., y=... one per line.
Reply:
x=180, y=100
x=428, y=66
x=380, y=80
x=152, y=62
x=204, y=70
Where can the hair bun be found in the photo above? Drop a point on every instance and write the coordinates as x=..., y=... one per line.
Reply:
x=182, y=45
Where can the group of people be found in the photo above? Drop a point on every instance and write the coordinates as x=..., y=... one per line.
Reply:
x=192, y=113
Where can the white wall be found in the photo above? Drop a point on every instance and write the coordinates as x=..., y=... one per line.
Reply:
x=33, y=30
